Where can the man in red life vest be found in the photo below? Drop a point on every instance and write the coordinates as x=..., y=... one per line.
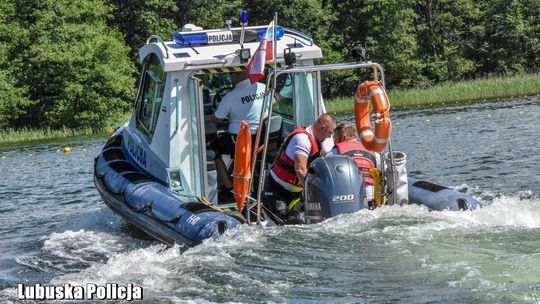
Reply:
x=347, y=144
x=284, y=185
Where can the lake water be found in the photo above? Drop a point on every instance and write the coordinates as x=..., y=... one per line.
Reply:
x=54, y=228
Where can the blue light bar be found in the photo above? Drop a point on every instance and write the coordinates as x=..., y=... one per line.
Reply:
x=279, y=33
x=221, y=37
x=186, y=39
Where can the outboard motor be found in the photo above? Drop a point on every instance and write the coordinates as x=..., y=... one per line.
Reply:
x=333, y=186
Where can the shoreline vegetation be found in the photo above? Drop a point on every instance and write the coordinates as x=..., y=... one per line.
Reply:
x=470, y=91
x=11, y=136
x=28, y=135
x=478, y=90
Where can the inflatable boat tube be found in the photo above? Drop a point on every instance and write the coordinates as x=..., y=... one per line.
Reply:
x=150, y=205
x=439, y=198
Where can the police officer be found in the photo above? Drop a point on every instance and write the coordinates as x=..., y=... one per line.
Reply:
x=243, y=102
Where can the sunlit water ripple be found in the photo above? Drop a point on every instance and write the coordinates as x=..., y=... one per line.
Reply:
x=55, y=229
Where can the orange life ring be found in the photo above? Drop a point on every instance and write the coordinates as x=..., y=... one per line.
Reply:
x=242, y=166
x=372, y=91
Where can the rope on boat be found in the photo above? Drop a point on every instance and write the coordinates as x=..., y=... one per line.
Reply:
x=207, y=203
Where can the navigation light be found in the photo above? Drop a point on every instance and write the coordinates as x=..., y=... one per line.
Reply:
x=243, y=18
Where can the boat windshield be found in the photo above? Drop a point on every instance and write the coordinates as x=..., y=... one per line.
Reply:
x=213, y=84
x=295, y=100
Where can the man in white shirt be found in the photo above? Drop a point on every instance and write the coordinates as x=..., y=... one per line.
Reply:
x=243, y=102
x=284, y=186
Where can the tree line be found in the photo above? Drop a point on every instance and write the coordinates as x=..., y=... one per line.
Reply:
x=73, y=64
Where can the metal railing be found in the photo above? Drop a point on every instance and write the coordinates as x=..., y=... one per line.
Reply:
x=378, y=73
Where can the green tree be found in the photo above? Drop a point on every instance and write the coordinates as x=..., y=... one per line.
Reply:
x=13, y=101
x=346, y=30
x=13, y=91
x=77, y=68
x=310, y=17
x=391, y=37
x=532, y=12
x=138, y=19
x=511, y=38
x=447, y=33
x=208, y=14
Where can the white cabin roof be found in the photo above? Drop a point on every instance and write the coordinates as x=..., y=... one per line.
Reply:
x=176, y=57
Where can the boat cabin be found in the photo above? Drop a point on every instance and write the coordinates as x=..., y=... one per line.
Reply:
x=183, y=80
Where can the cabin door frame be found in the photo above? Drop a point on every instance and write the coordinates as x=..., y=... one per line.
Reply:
x=199, y=139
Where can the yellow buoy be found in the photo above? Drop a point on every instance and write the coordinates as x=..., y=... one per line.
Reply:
x=67, y=149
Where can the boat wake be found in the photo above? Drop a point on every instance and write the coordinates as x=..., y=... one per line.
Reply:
x=71, y=251
x=456, y=250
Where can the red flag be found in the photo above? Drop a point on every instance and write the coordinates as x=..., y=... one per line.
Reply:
x=264, y=52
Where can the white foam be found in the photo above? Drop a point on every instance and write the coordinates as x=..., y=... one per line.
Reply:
x=147, y=266
x=163, y=270
x=504, y=211
x=464, y=245
x=70, y=250
x=218, y=266
x=78, y=244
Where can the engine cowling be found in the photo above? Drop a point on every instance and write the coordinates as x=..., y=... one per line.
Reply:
x=333, y=186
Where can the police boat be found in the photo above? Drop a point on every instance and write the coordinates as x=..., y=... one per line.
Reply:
x=157, y=172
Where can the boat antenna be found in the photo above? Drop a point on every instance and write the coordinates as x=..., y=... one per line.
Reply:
x=267, y=133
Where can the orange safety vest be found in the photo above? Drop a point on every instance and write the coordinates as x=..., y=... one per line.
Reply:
x=365, y=160
x=283, y=166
